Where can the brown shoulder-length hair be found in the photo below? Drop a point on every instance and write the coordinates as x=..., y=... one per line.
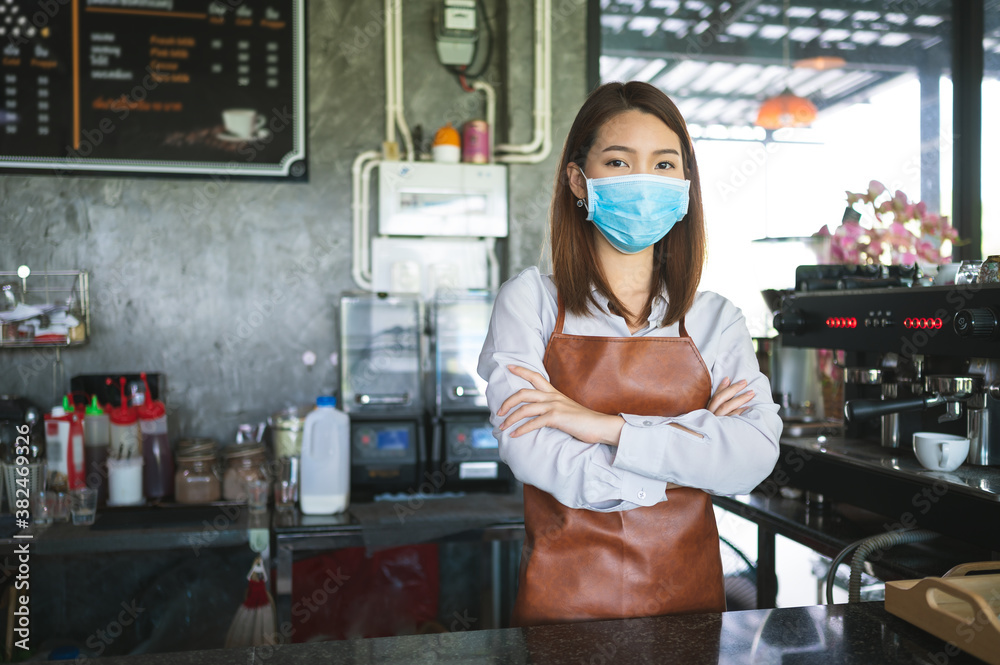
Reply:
x=678, y=256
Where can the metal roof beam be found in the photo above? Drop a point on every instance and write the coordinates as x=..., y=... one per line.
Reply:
x=940, y=8
x=760, y=52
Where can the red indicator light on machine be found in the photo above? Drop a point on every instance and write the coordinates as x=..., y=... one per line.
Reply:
x=920, y=323
x=841, y=322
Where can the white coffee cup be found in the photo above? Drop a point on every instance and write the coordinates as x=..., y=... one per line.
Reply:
x=940, y=452
x=244, y=123
x=946, y=274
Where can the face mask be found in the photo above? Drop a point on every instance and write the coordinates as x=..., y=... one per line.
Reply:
x=635, y=211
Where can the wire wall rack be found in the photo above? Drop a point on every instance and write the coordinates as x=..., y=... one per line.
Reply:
x=47, y=308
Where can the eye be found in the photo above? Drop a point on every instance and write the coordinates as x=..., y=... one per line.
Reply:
x=615, y=163
x=665, y=165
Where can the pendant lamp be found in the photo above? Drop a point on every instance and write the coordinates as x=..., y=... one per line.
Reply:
x=786, y=109
x=821, y=62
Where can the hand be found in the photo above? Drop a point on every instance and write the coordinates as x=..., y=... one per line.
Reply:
x=547, y=407
x=727, y=401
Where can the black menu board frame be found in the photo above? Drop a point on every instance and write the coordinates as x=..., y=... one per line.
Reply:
x=186, y=88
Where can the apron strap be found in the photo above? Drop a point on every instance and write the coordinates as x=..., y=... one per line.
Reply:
x=681, y=330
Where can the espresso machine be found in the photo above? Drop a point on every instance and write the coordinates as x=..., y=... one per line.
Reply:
x=380, y=369
x=920, y=358
x=794, y=374
x=463, y=447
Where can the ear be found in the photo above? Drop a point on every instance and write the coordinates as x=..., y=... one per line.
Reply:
x=577, y=183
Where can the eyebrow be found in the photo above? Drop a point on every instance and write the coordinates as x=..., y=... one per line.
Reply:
x=621, y=148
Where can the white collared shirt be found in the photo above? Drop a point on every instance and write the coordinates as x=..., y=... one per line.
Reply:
x=732, y=456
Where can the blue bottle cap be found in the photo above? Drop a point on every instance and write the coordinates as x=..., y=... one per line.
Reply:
x=326, y=400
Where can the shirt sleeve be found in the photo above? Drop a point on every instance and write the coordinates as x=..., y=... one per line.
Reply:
x=577, y=474
x=734, y=453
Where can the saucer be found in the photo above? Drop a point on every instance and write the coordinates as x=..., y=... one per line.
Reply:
x=233, y=138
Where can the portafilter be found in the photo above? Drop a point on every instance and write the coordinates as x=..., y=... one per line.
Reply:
x=939, y=388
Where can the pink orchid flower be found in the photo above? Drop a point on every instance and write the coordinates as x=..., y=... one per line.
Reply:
x=900, y=230
x=875, y=189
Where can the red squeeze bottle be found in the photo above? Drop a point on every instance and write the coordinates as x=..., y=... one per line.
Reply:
x=57, y=445
x=76, y=472
x=157, y=457
x=124, y=428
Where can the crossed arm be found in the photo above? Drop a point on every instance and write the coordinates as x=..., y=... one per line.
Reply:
x=547, y=407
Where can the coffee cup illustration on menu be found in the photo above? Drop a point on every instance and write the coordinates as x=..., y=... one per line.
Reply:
x=243, y=125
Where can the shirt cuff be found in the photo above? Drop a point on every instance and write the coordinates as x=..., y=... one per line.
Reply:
x=642, y=490
x=645, y=421
x=629, y=457
x=637, y=488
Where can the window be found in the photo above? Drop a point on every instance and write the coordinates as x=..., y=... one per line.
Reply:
x=878, y=73
x=991, y=129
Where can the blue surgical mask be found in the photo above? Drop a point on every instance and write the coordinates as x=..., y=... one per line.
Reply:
x=635, y=211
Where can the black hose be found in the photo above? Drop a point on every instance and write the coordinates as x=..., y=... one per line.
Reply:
x=881, y=541
x=831, y=575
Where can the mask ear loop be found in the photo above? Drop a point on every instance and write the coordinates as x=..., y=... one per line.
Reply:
x=582, y=203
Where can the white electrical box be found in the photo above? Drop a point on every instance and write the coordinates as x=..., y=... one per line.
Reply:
x=426, y=265
x=434, y=199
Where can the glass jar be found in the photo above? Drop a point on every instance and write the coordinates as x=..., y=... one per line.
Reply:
x=286, y=430
x=197, y=477
x=989, y=271
x=243, y=463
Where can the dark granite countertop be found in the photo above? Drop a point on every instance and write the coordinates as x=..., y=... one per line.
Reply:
x=860, y=634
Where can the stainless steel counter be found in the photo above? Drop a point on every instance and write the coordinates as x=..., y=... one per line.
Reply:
x=891, y=483
x=981, y=482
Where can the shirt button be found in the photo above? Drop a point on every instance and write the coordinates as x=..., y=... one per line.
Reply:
x=641, y=494
x=647, y=423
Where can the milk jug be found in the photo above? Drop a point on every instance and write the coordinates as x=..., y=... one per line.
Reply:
x=325, y=485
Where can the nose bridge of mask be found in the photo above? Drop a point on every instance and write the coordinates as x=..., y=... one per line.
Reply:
x=640, y=189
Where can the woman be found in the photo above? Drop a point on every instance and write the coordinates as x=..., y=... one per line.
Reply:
x=616, y=388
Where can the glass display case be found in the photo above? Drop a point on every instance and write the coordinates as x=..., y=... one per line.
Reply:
x=380, y=353
x=461, y=321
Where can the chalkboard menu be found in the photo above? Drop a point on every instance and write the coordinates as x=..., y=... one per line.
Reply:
x=153, y=86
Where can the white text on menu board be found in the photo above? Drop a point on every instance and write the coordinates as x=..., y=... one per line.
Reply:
x=244, y=17
x=40, y=59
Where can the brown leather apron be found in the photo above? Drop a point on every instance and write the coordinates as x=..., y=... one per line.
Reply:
x=578, y=564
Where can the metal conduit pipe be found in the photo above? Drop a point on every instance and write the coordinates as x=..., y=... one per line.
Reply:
x=397, y=37
x=541, y=143
x=390, y=76
x=366, y=263
x=362, y=166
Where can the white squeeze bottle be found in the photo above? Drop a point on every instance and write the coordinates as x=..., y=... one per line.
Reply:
x=325, y=485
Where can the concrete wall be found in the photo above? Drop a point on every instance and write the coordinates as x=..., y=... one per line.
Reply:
x=225, y=302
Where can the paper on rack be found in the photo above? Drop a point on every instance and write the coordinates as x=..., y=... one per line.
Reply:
x=22, y=312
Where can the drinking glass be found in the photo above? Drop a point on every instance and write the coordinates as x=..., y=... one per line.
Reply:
x=286, y=483
x=84, y=506
x=44, y=507
x=60, y=507
x=257, y=489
